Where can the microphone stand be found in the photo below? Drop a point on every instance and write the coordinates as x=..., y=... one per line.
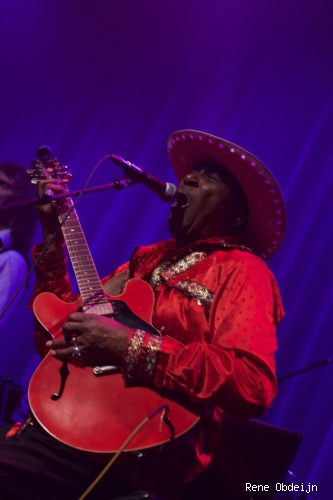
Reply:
x=118, y=184
x=311, y=366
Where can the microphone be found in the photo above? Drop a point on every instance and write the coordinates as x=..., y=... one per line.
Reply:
x=165, y=190
x=44, y=153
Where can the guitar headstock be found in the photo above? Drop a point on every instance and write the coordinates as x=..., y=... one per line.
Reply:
x=48, y=168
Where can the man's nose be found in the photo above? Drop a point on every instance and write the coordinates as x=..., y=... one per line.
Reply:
x=191, y=179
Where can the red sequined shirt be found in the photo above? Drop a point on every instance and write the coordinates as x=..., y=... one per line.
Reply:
x=217, y=307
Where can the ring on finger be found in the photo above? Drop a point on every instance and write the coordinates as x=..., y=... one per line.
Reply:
x=76, y=352
x=73, y=339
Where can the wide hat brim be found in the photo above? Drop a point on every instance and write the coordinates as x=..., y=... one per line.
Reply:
x=267, y=214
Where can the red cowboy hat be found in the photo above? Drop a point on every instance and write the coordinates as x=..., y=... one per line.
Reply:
x=267, y=215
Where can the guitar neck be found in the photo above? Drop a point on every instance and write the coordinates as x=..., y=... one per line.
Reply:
x=89, y=284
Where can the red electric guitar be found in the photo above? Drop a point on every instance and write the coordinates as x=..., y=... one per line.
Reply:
x=90, y=408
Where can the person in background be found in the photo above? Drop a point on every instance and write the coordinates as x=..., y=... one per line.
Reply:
x=17, y=229
x=216, y=308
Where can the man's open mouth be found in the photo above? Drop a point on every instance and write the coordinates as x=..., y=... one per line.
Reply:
x=181, y=200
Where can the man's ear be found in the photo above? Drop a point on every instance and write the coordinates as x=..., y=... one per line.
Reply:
x=238, y=223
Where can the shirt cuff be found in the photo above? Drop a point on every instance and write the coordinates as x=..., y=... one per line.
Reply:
x=141, y=357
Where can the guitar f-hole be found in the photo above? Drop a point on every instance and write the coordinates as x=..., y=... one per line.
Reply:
x=64, y=372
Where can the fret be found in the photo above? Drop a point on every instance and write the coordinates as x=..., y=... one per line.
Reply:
x=89, y=284
x=91, y=289
x=87, y=289
x=81, y=260
x=86, y=272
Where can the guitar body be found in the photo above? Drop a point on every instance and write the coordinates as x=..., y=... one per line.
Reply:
x=98, y=413
x=89, y=412
x=134, y=308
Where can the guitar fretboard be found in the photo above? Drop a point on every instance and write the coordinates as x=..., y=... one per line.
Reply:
x=89, y=284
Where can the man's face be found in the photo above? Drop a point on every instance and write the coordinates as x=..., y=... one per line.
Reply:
x=202, y=206
x=7, y=196
x=7, y=192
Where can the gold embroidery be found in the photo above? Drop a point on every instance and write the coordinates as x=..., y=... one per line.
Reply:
x=155, y=278
x=153, y=348
x=133, y=352
x=171, y=270
x=196, y=291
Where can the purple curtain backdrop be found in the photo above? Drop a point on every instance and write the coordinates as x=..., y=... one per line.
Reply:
x=95, y=77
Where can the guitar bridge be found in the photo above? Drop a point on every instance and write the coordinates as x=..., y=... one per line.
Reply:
x=103, y=309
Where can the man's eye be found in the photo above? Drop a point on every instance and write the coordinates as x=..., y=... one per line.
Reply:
x=209, y=175
x=4, y=184
x=213, y=176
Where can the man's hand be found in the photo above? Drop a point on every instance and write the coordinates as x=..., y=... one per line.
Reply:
x=48, y=213
x=94, y=339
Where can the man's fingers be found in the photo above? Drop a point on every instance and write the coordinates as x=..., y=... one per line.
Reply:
x=56, y=344
x=52, y=184
x=78, y=317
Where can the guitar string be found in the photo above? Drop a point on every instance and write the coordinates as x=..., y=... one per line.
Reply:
x=47, y=245
x=89, y=283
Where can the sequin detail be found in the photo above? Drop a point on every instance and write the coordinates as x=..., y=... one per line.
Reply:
x=52, y=266
x=170, y=270
x=153, y=348
x=134, y=349
x=196, y=291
